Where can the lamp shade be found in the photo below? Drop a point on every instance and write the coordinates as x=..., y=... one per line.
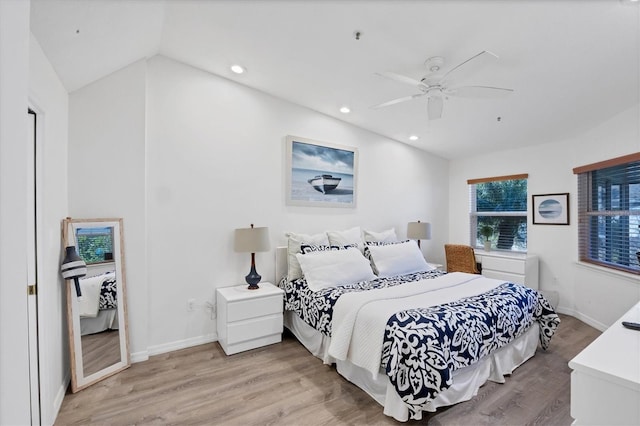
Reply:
x=251, y=240
x=419, y=230
x=73, y=267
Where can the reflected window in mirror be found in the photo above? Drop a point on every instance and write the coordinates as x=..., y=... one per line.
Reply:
x=95, y=245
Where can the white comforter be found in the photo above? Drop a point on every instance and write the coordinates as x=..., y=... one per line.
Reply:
x=359, y=318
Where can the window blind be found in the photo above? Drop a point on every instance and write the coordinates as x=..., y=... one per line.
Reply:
x=609, y=213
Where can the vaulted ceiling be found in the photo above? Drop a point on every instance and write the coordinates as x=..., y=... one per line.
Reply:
x=572, y=64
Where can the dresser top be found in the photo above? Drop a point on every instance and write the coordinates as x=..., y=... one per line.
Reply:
x=504, y=254
x=615, y=354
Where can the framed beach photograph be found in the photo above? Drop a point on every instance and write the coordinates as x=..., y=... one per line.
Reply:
x=320, y=173
x=551, y=209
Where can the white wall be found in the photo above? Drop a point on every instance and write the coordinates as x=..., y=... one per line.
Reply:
x=14, y=71
x=48, y=97
x=596, y=297
x=216, y=162
x=215, y=159
x=107, y=174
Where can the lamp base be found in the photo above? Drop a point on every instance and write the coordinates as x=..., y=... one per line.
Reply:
x=253, y=279
x=77, y=283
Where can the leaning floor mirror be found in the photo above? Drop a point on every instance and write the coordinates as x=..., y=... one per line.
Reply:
x=97, y=309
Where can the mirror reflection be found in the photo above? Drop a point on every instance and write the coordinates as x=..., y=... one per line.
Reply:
x=97, y=320
x=98, y=306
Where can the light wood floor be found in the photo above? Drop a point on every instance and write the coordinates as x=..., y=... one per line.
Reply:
x=283, y=384
x=100, y=350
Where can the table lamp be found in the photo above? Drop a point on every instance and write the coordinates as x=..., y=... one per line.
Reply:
x=252, y=240
x=73, y=267
x=419, y=231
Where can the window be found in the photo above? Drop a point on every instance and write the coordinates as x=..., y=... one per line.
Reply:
x=498, y=212
x=95, y=245
x=609, y=213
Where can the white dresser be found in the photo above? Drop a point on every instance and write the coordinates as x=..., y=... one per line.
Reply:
x=605, y=382
x=513, y=267
x=249, y=319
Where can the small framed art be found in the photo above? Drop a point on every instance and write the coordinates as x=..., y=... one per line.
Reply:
x=551, y=209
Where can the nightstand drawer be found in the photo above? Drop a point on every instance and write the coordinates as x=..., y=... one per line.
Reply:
x=514, y=266
x=252, y=308
x=254, y=328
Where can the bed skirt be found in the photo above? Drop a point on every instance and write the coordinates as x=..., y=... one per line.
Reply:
x=107, y=319
x=466, y=381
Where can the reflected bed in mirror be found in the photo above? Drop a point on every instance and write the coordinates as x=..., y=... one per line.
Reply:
x=97, y=321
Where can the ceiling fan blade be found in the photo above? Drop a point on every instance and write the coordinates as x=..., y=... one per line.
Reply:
x=477, y=61
x=479, y=92
x=397, y=101
x=434, y=107
x=399, y=77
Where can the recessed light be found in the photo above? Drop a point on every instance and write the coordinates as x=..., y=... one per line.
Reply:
x=413, y=138
x=345, y=110
x=237, y=69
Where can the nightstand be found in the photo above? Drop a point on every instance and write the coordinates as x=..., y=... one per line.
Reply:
x=249, y=319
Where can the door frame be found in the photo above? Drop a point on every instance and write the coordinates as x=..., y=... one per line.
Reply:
x=33, y=216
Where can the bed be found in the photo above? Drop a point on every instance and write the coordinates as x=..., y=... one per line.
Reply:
x=413, y=337
x=98, y=305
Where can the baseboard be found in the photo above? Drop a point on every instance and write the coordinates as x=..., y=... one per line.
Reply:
x=584, y=318
x=57, y=401
x=139, y=356
x=182, y=344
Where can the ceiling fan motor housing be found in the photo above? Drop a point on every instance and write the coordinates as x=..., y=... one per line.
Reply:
x=434, y=63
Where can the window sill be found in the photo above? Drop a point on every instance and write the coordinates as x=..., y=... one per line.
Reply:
x=610, y=272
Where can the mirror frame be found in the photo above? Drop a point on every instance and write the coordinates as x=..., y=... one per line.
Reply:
x=78, y=380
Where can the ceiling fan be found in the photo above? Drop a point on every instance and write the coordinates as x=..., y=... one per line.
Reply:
x=437, y=87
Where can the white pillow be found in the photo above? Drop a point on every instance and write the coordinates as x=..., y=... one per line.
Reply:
x=334, y=267
x=345, y=238
x=387, y=236
x=398, y=259
x=89, y=303
x=293, y=246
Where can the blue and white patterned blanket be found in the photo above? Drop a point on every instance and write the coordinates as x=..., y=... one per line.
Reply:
x=422, y=347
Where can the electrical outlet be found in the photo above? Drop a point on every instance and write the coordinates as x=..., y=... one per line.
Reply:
x=191, y=305
x=211, y=308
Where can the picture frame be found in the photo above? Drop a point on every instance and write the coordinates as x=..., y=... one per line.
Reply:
x=320, y=174
x=550, y=209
